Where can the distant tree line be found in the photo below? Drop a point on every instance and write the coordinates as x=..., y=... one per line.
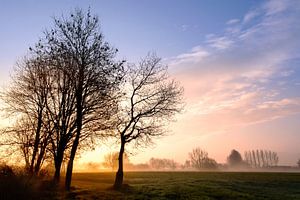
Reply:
x=198, y=159
x=261, y=158
x=163, y=164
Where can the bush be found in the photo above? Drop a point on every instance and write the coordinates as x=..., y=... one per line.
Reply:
x=16, y=183
x=6, y=171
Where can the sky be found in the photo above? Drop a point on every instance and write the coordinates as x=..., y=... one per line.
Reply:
x=238, y=62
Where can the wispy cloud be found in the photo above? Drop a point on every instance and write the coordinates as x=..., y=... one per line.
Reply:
x=277, y=6
x=232, y=21
x=229, y=78
x=220, y=43
x=195, y=55
x=250, y=15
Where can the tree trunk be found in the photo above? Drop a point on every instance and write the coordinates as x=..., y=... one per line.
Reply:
x=70, y=163
x=39, y=160
x=57, y=162
x=119, y=175
x=36, y=141
x=78, y=130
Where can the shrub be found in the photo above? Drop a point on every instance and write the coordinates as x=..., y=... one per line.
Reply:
x=6, y=171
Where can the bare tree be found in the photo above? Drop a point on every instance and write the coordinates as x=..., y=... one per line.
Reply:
x=149, y=102
x=261, y=158
x=61, y=116
x=66, y=92
x=26, y=101
x=186, y=165
x=163, y=164
x=111, y=160
x=199, y=159
x=86, y=79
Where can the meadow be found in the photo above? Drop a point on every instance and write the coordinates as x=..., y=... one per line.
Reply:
x=187, y=185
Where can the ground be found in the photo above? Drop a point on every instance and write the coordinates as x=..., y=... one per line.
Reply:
x=187, y=185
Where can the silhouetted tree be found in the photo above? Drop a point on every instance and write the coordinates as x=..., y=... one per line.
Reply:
x=26, y=101
x=187, y=164
x=149, y=102
x=66, y=93
x=261, y=158
x=298, y=163
x=235, y=159
x=75, y=48
x=248, y=157
x=199, y=160
x=111, y=160
x=61, y=115
x=254, y=158
x=162, y=164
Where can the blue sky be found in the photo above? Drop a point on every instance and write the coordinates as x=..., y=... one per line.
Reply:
x=167, y=27
x=237, y=60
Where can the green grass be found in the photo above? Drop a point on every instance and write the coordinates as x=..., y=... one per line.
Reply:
x=188, y=185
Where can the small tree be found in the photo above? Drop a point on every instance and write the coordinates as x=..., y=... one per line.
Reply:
x=186, y=165
x=149, y=102
x=111, y=160
x=235, y=159
x=162, y=164
x=298, y=163
x=199, y=159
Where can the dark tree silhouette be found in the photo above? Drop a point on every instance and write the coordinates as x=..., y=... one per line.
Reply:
x=75, y=45
x=111, y=160
x=235, y=159
x=26, y=101
x=298, y=163
x=199, y=159
x=261, y=158
x=61, y=116
x=66, y=91
x=150, y=100
x=162, y=164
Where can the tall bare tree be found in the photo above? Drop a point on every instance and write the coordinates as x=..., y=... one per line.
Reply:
x=26, y=101
x=60, y=114
x=67, y=91
x=149, y=102
x=76, y=46
x=261, y=158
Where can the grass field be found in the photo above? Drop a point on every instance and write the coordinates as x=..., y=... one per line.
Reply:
x=188, y=185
